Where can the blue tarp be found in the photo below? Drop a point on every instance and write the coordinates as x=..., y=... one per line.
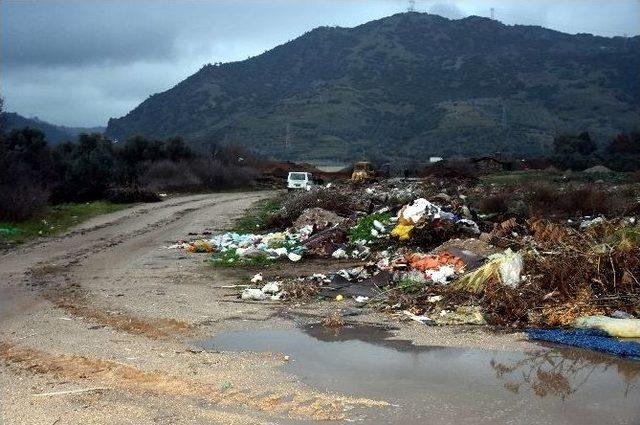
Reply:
x=589, y=339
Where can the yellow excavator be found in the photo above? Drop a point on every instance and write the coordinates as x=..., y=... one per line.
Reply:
x=362, y=171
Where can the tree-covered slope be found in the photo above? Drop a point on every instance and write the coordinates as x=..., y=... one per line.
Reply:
x=404, y=86
x=53, y=133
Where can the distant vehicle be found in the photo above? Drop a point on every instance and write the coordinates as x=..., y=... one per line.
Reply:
x=299, y=180
x=362, y=171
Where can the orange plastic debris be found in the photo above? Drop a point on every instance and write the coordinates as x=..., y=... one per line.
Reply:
x=425, y=262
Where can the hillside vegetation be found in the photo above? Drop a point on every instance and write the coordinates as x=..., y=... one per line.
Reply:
x=406, y=86
x=53, y=133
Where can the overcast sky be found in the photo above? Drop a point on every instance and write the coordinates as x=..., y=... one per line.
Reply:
x=80, y=62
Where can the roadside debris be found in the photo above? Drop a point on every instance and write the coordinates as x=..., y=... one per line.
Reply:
x=424, y=249
x=621, y=328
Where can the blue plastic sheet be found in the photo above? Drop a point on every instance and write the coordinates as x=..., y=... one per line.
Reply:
x=589, y=339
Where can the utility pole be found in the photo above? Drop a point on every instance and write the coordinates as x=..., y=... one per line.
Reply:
x=287, y=137
x=493, y=13
x=504, y=115
x=412, y=6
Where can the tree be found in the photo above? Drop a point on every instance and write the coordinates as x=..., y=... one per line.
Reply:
x=569, y=144
x=625, y=143
x=87, y=167
x=176, y=149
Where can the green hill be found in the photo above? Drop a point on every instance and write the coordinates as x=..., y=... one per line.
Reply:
x=406, y=86
x=53, y=133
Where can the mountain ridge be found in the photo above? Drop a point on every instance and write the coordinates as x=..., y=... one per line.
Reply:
x=403, y=83
x=53, y=133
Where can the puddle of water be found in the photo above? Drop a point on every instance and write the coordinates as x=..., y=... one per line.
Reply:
x=438, y=385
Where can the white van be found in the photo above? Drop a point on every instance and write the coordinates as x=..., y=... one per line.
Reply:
x=299, y=180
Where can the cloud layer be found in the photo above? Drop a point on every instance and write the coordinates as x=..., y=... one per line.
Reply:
x=77, y=62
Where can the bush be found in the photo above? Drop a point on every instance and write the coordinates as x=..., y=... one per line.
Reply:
x=21, y=200
x=128, y=195
x=494, y=204
x=545, y=200
x=214, y=174
x=452, y=169
x=170, y=176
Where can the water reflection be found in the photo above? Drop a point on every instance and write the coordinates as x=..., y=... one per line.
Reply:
x=453, y=385
x=561, y=372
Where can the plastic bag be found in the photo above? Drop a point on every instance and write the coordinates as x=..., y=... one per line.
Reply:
x=622, y=328
x=505, y=266
x=402, y=231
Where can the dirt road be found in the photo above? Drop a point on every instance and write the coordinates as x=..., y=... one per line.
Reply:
x=103, y=326
x=97, y=327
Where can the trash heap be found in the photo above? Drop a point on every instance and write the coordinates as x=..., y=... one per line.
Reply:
x=232, y=247
x=412, y=249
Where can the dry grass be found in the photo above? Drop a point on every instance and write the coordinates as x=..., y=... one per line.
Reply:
x=161, y=328
x=333, y=321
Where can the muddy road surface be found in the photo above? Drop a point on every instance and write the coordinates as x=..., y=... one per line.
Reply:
x=105, y=325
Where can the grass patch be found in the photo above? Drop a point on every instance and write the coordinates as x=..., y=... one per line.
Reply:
x=256, y=220
x=362, y=230
x=54, y=220
x=230, y=258
x=518, y=177
x=409, y=285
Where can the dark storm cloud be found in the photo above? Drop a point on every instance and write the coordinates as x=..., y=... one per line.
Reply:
x=80, y=62
x=73, y=33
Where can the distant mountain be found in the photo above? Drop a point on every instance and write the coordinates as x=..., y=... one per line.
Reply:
x=407, y=86
x=53, y=133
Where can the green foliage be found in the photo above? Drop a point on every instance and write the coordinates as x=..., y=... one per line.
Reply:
x=488, y=88
x=54, y=220
x=230, y=258
x=568, y=144
x=257, y=220
x=408, y=285
x=362, y=230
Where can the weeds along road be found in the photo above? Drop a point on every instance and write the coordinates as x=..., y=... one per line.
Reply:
x=98, y=325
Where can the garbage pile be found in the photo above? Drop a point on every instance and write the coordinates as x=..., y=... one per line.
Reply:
x=232, y=247
x=419, y=249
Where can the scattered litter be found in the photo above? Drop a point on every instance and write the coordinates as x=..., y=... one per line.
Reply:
x=422, y=319
x=294, y=257
x=505, y=268
x=271, y=288
x=253, y=294
x=423, y=246
x=461, y=316
x=339, y=253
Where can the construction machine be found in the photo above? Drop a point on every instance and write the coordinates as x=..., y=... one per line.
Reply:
x=362, y=171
